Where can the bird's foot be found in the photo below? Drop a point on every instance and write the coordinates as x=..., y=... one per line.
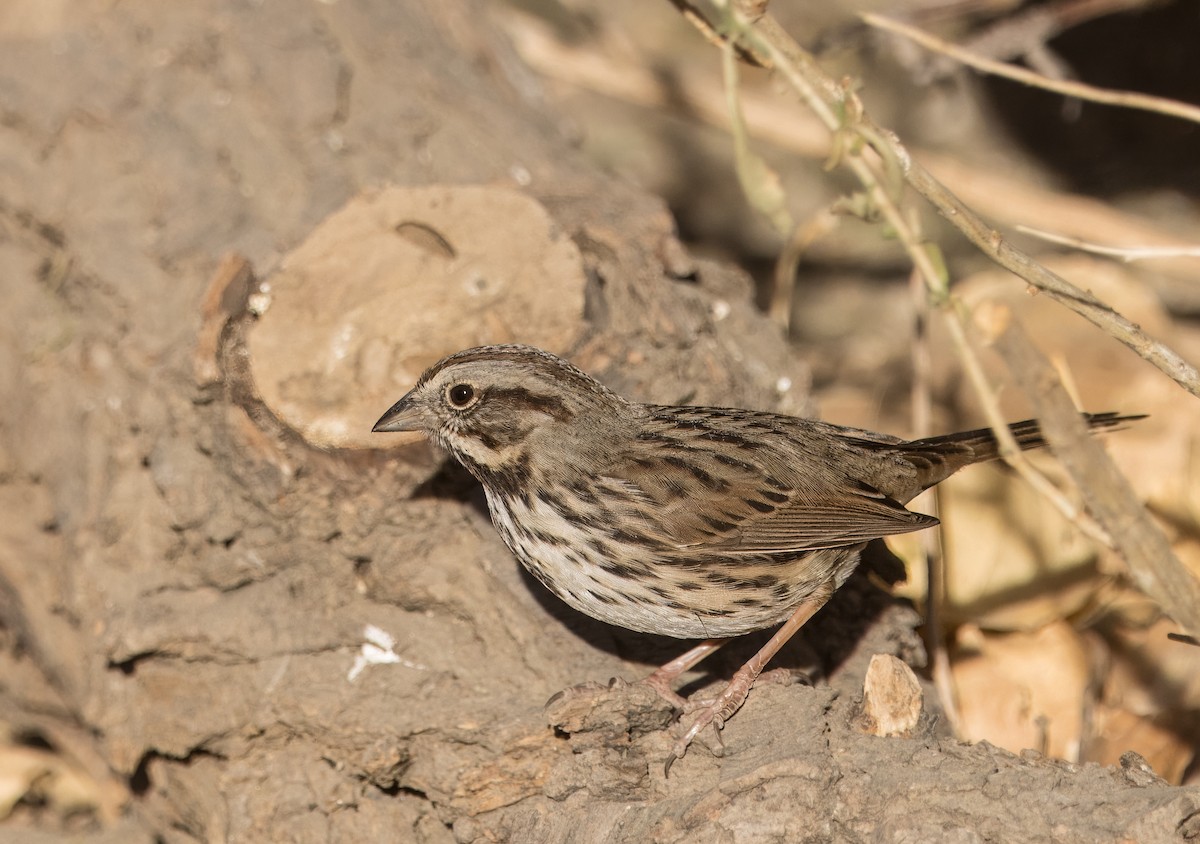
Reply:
x=715, y=712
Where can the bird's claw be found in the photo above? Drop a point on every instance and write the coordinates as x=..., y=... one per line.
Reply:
x=703, y=714
x=716, y=712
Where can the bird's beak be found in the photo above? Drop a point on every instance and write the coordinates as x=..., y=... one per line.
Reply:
x=404, y=415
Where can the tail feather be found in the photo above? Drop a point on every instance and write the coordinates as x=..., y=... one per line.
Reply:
x=937, y=458
x=1028, y=434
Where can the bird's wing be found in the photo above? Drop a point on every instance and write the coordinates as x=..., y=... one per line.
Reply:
x=846, y=520
x=706, y=487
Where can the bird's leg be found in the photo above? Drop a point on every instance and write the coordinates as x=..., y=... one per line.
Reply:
x=662, y=679
x=719, y=710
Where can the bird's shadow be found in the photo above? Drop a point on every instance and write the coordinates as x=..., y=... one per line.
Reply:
x=821, y=646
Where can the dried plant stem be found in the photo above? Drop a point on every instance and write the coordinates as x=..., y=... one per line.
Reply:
x=759, y=183
x=589, y=68
x=1103, y=316
x=930, y=540
x=784, y=277
x=1128, y=254
x=1125, y=99
x=842, y=113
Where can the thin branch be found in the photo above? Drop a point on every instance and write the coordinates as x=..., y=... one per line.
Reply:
x=1125, y=253
x=759, y=182
x=803, y=236
x=1030, y=28
x=996, y=247
x=1083, y=91
x=930, y=540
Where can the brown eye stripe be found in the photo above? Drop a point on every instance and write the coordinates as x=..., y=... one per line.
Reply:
x=519, y=399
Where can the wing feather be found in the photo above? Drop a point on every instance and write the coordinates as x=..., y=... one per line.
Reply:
x=747, y=488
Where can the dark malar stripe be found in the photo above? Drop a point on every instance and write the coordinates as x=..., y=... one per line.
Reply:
x=511, y=480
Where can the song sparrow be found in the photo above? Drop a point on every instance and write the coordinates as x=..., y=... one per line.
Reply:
x=694, y=522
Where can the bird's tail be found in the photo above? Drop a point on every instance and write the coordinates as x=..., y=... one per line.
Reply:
x=983, y=445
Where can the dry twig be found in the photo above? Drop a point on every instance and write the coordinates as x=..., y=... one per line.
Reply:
x=930, y=540
x=1128, y=254
x=1083, y=91
x=840, y=110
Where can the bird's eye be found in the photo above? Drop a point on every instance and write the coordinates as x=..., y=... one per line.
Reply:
x=461, y=395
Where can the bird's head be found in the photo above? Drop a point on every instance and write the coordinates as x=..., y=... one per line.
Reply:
x=492, y=405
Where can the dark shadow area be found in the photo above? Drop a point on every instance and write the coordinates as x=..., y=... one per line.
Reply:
x=1103, y=150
